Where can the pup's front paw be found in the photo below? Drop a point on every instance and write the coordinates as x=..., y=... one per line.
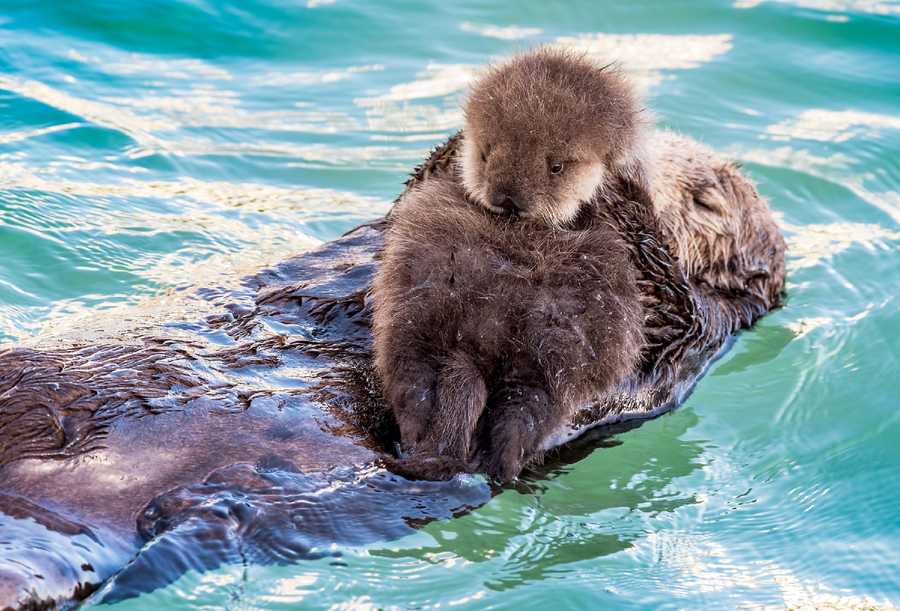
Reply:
x=413, y=405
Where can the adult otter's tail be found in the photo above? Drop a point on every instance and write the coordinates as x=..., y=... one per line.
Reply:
x=462, y=396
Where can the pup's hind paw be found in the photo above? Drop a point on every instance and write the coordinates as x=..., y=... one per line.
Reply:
x=518, y=422
x=508, y=452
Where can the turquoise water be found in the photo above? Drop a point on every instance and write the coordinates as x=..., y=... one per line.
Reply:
x=153, y=145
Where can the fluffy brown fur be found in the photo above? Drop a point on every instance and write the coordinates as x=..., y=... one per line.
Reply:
x=545, y=130
x=512, y=290
x=491, y=331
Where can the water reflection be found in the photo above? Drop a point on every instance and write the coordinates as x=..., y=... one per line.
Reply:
x=567, y=516
x=875, y=7
x=647, y=56
x=837, y=170
x=834, y=125
x=810, y=245
x=117, y=118
x=138, y=155
x=509, y=32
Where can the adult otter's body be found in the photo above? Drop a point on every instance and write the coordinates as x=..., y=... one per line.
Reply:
x=517, y=285
x=117, y=443
x=243, y=424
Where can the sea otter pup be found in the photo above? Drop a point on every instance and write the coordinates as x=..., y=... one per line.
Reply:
x=509, y=295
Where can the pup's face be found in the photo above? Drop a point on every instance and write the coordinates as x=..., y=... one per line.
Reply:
x=544, y=132
x=529, y=179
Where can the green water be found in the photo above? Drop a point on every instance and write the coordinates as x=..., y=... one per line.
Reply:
x=151, y=145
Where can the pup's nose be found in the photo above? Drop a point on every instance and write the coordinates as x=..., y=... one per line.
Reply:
x=506, y=202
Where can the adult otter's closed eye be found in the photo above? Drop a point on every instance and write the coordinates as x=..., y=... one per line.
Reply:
x=511, y=291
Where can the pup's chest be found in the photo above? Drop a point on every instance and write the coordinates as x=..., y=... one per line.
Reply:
x=527, y=266
x=502, y=288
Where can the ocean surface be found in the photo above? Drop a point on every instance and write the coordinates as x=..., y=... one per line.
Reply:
x=150, y=146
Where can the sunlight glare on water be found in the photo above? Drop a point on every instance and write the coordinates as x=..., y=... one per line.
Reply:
x=149, y=146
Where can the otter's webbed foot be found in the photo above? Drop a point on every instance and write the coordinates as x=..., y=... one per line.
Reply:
x=516, y=425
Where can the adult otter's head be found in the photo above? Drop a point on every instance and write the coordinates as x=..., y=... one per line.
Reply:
x=544, y=130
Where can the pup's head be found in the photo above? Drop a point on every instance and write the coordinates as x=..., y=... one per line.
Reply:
x=546, y=129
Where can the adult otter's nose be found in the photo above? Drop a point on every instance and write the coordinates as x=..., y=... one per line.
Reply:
x=507, y=202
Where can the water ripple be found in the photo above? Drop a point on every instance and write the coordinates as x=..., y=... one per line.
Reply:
x=144, y=147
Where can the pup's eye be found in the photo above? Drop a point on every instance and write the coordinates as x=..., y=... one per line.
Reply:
x=483, y=157
x=556, y=168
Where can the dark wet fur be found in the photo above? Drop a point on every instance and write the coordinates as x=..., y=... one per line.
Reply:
x=63, y=408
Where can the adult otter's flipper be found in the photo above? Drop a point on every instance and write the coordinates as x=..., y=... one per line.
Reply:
x=273, y=513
